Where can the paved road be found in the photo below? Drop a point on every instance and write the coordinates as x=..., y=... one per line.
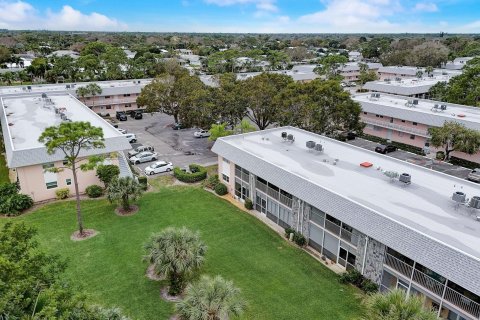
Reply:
x=441, y=166
x=178, y=146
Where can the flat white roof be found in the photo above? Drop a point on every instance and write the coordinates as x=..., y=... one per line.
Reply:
x=28, y=116
x=40, y=88
x=411, y=82
x=397, y=106
x=424, y=206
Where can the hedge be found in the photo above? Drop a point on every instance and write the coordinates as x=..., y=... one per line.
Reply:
x=143, y=182
x=197, y=173
x=94, y=191
x=464, y=163
x=13, y=203
x=221, y=189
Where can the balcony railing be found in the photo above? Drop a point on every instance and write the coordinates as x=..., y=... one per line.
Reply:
x=398, y=265
x=396, y=127
x=273, y=193
x=261, y=186
x=285, y=200
x=428, y=282
x=245, y=177
x=332, y=227
x=462, y=302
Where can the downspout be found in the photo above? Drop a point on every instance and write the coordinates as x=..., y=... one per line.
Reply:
x=298, y=215
x=365, y=254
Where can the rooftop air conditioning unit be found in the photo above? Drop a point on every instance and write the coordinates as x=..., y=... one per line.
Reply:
x=319, y=147
x=310, y=145
x=475, y=202
x=44, y=95
x=290, y=138
x=405, y=178
x=284, y=135
x=459, y=197
x=443, y=107
x=415, y=102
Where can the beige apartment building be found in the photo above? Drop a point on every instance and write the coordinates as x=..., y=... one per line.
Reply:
x=25, y=116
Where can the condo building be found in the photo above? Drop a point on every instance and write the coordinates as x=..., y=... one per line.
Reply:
x=407, y=120
x=25, y=116
x=400, y=225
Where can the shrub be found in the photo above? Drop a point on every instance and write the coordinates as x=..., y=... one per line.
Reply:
x=248, y=204
x=94, y=191
x=211, y=182
x=463, y=163
x=143, y=182
x=299, y=239
x=107, y=173
x=440, y=155
x=352, y=276
x=197, y=173
x=12, y=202
x=288, y=231
x=368, y=286
x=62, y=193
x=221, y=189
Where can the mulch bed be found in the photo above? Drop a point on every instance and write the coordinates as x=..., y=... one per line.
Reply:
x=124, y=213
x=151, y=274
x=167, y=297
x=87, y=234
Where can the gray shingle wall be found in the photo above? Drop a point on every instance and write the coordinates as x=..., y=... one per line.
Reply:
x=445, y=260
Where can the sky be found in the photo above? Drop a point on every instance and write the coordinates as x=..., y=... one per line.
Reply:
x=244, y=16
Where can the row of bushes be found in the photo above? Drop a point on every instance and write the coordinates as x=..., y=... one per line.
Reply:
x=93, y=191
x=464, y=163
x=354, y=277
x=402, y=146
x=12, y=203
x=214, y=184
x=197, y=173
x=298, y=238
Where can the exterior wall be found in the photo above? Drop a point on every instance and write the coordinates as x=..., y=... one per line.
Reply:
x=114, y=103
x=32, y=181
x=231, y=184
x=375, y=254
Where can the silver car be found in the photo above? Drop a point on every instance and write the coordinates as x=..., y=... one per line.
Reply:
x=140, y=149
x=145, y=156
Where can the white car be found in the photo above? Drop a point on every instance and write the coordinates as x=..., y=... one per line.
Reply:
x=158, y=167
x=122, y=131
x=132, y=138
x=146, y=156
x=201, y=134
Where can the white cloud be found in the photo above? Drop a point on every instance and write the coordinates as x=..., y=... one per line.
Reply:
x=16, y=11
x=23, y=15
x=354, y=16
x=71, y=19
x=426, y=7
x=261, y=5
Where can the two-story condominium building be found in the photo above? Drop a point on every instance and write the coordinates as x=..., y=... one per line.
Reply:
x=350, y=71
x=407, y=120
x=407, y=72
x=457, y=63
x=24, y=117
x=119, y=95
x=413, y=87
x=401, y=225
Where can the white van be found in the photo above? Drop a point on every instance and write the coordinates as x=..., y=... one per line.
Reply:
x=131, y=137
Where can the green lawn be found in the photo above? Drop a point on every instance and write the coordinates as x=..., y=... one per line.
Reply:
x=278, y=280
x=3, y=170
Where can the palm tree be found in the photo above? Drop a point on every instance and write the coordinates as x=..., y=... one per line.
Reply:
x=93, y=89
x=211, y=299
x=175, y=254
x=82, y=92
x=396, y=305
x=124, y=190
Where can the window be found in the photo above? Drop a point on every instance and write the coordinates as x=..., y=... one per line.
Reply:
x=109, y=107
x=414, y=123
x=128, y=105
x=365, y=113
x=126, y=95
x=317, y=216
x=225, y=178
x=412, y=137
x=51, y=185
x=391, y=120
x=377, y=115
x=107, y=97
x=403, y=121
x=68, y=181
x=400, y=134
x=377, y=128
x=381, y=116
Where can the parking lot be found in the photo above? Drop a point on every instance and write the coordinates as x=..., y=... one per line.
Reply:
x=177, y=146
x=427, y=162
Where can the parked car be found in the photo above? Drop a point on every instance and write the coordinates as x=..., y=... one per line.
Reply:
x=131, y=137
x=145, y=156
x=201, y=134
x=158, y=167
x=121, y=115
x=122, y=131
x=178, y=126
x=474, y=175
x=384, y=149
x=138, y=116
x=139, y=149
